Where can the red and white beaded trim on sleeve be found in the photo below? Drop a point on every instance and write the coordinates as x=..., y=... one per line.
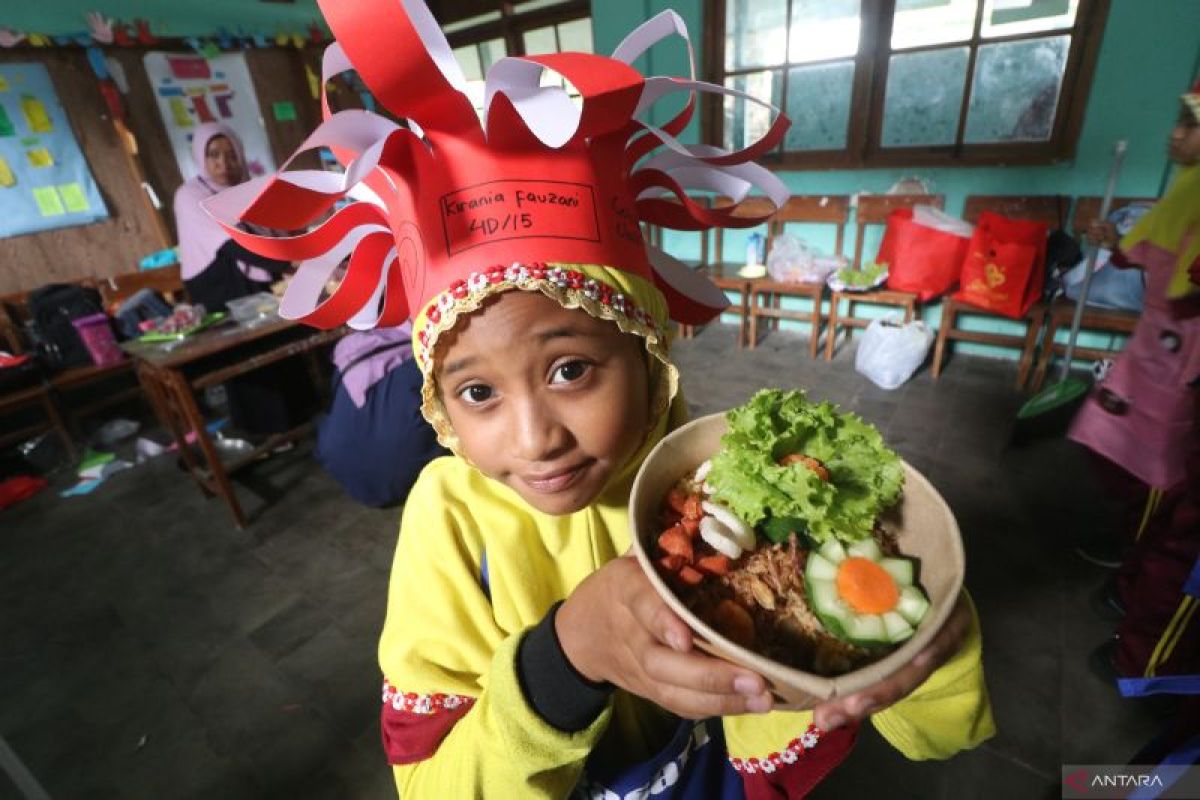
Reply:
x=409, y=702
x=796, y=749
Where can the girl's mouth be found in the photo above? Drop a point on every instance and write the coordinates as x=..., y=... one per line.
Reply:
x=556, y=481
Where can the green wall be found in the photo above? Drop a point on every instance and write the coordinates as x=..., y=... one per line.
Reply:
x=166, y=17
x=1148, y=57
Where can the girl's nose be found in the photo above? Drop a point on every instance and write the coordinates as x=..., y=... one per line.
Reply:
x=538, y=435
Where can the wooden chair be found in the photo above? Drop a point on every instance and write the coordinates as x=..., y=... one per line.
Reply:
x=767, y=294
x=725, y=273
x=1039, y=208
x=38, y=394
x=873, y=209
x=1098, y=320
x=165, y=280
x=51, y=394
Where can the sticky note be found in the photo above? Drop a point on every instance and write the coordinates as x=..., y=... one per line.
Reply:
x=48, y=201
x=73, y=197
x=7, y=179
x=35, y=114
x=6, y=126
x=179, y=112
x=285, y=110
x=39, y=157
x=3, y=84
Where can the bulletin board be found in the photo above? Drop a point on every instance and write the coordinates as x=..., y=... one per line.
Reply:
x=190, y=90
x=45, y=182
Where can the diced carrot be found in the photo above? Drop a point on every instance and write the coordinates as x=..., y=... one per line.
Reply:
x=716, y=564
x=866, y=587
x=689, y=575
x=690, y=526
x=692, y=508
x=677, y=499
x=676, y=543
x=670, y=563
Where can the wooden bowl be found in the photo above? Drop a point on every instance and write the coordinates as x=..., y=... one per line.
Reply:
x=924, y=526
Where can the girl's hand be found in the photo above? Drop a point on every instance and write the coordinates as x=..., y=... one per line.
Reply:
x=614, y=627
x=860, y=705
x=1103, y=234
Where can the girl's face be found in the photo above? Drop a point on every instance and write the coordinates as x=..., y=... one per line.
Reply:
x=222, y=162
x=549, y=401
x=1184, y=144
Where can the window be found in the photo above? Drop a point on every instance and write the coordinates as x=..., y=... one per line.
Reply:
x=535, y=27
x=906, y=82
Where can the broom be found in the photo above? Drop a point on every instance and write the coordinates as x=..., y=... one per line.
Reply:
x=1049, y=411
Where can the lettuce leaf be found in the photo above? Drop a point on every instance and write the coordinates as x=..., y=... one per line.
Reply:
x=865, y=476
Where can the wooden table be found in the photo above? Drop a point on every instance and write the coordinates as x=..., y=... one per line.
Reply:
x=171, y=375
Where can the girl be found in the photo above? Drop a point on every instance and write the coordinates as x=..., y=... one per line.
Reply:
x=1142, y=419
x=524, y=655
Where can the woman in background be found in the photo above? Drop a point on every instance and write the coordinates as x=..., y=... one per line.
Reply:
x=216, y=269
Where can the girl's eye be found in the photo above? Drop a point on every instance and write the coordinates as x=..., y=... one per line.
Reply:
x=570, y=372
x=475, y=394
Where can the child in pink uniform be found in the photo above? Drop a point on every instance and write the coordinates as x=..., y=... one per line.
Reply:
x=1143, y=417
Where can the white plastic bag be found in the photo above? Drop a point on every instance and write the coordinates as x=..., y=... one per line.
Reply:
x=939, y=220
x=891, y=350
x=793, y=260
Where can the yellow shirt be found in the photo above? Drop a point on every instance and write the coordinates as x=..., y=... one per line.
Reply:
x=445, y=635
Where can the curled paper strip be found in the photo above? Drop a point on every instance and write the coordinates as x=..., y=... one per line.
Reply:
x=543, y=177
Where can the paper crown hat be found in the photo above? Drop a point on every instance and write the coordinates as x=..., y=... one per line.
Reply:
x=543, y=179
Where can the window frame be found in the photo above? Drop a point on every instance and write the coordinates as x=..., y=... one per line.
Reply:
x=865, y=127
x=513, y=24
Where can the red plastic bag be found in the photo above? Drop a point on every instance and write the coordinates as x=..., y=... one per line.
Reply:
x=1005, y=266
x=922, y=260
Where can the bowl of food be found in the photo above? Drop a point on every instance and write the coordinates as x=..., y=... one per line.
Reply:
x=793, y=542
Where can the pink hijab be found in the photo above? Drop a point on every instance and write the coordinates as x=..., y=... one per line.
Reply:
x=199, y=235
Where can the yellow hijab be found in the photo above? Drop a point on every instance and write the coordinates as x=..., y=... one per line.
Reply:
x=1173, y=224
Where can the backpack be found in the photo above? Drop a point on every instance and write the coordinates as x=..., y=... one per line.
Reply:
x=142, y=305
x=51, y=309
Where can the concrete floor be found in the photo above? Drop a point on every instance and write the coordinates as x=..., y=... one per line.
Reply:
x=150, y=650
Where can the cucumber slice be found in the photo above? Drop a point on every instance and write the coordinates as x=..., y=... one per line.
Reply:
x=896, y=627
x=818, y=569
x=824, y=597
x=901, y=570
x=840, y=619
x=833, y=552
x=912, y=605
x=867, y=548
x=866, y=629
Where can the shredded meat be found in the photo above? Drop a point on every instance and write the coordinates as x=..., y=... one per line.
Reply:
x=768, y=585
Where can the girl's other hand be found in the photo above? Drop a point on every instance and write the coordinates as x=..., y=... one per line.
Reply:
x=1103, y=234
x=860, y=705
x=614, y=627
